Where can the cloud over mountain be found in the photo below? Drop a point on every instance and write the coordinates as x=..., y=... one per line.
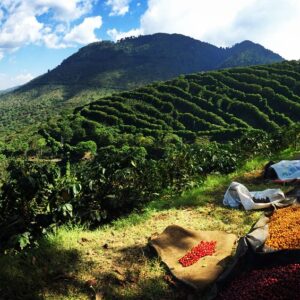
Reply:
x=273, y=23
x=48, y=22
x=118, y=7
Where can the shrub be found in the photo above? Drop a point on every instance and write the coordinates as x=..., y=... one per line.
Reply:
x=88, y=146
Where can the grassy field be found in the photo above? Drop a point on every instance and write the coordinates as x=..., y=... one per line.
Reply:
x=114, y=261
x=22, y=113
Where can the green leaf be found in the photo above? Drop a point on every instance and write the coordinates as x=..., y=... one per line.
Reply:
x=68, y=207
x=76, y=189
x=23, y=239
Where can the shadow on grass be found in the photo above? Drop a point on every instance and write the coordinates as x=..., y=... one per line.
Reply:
x=36, y=273
x=140, y=275
x=149, y=289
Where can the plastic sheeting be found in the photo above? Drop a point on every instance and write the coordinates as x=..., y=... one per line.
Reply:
x=237, y=194
x=287, y=169
x=252, y=253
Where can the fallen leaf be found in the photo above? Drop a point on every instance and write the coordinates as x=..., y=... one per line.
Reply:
x=91, y=282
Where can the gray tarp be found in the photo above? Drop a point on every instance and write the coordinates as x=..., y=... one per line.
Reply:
x=287, y=169
x=237, y=194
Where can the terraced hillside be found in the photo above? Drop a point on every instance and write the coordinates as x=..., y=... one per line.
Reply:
x=104, y=67
x=219, y=104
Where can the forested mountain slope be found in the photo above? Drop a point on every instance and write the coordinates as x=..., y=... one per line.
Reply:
x=139, y=60
x=101, y=68
x=219, y=104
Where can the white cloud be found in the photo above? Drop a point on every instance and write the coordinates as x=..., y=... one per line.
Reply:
x=118, y=7
x=273, y=23
x=190, y=17
x=116, y=35
x=61, y=28
x=22, y=24
x=20, y=29
x=65, y=9
x=23, y=78
x=7, y=81
x=84, y=32
x=53, y=41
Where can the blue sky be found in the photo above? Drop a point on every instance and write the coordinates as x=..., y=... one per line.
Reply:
x=36, y=35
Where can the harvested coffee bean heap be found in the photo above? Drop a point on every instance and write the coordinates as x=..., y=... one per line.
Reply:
x=281, y=282
x=284, y=229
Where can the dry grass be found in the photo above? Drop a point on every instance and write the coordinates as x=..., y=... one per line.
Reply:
x=118, y=263
x=114, y=262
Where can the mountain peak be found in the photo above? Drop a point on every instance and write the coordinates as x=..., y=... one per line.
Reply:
x=246, y=43
x=136, y=61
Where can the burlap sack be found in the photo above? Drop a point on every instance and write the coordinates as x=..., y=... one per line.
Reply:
x=176, y=241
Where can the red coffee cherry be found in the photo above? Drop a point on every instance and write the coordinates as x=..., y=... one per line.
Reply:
x=202, y=249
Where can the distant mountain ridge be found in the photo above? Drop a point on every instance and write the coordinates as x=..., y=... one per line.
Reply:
x=136, y=61
x=2, y=92
x=102, y=68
